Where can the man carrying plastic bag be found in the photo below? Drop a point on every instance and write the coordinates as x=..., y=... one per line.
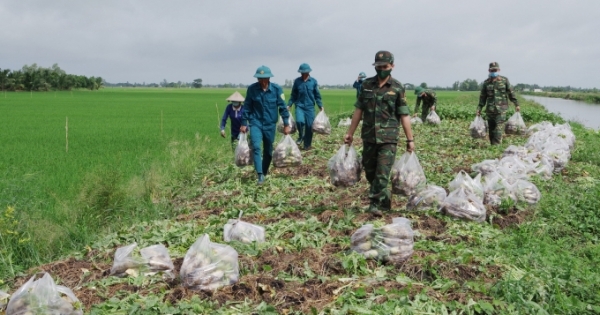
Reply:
x=495, y=93
x=305, y=94
x=382, y=107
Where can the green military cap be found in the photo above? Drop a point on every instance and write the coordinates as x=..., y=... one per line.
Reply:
x=383, y=57
x=419, y=90
x=494, y=66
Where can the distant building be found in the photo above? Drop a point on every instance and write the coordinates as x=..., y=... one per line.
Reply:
x=537, y=90
x=526, y=90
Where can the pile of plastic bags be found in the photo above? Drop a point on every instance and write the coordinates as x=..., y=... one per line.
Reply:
x=153, y=259
x=43, y=296
x=465, y=199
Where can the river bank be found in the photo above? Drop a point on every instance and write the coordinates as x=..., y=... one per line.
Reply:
x=591, y=97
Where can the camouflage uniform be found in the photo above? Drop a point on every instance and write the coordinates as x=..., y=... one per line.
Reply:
x=495, y=94
x=428, y=100
x=381, y=110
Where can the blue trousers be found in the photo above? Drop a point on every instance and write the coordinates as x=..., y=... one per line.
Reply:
x=304, y=122
x=262, y=157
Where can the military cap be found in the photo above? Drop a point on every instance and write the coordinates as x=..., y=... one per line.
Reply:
x=383, y=57
x=494, y=66
x=263, y=72
x=362, y=75
x=419, y=90
x=304, y=68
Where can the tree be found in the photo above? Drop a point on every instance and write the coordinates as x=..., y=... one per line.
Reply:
x=424, y=85
x=197, y=83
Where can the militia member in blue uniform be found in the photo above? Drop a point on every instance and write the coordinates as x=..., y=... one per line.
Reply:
x=233, y=111
x=382, y=106
x=263, y=100
x=305, y=93
x=358, y=83
x=495, y=93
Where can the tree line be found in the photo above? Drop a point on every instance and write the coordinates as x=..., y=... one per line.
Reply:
x=35, y=78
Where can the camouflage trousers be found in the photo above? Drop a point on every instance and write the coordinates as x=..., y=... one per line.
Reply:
x=495, y=124
x=377, y=161
x=424, y=112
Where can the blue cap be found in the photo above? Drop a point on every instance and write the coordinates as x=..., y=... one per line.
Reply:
x=263, y=72
x=362, y=75
x=304, y=68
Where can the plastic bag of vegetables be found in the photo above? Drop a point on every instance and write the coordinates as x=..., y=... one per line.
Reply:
x=430, y=197
x=43, y=296
x=344, y=167
x=478, y=128
x=125, y=262
x=485, y=167
x=238, y=230
x=287, y=153
x=433, y=118
x=515, y=125
x=407, y=175
x=243, y=153
x=321, y=124
x=345, y=122
x=416, y=120
x=158, y=259
x=291, y=123
x=392, y=242
x=463, y=204
x=463, y=180
x=496, y=188
x=527, y=191
x=209, y=266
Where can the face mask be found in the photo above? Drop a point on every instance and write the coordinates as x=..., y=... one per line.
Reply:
x=382, y=74
x=236, y=104
x=493, y=74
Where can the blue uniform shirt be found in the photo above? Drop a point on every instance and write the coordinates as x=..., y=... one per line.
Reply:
x=260, y=107
x=357, y=85
x=236, y=119
x=305, y=94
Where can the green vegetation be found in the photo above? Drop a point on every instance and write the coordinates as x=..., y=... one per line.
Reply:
x=34, y=78
x=589, y=97
x=522, y=260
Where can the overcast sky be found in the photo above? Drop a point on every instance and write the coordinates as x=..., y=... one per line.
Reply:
x=220, y=41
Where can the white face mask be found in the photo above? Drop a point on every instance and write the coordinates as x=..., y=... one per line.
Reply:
x=236, y=104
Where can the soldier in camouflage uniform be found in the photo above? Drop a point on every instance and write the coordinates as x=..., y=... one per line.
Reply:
x=382, y=107
x=495, y=93
x=429, y=100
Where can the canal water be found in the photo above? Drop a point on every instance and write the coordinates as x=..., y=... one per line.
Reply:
x=581, y=112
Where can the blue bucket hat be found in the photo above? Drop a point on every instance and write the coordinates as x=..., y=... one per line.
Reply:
x=362, y=75
x=263, y=72
x=304, y=68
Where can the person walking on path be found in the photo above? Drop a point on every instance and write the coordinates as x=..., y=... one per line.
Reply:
x=263, y=100
x=496, y=91
x=358, y=83
x=233, y=111
x=305, y=93
x=429, y=100
x=382, y=106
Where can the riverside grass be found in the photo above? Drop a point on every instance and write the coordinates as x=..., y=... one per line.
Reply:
x=522, y=260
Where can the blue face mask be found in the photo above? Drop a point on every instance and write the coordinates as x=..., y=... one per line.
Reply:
x=493, y=74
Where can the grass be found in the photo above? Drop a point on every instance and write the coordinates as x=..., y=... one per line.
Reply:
x=522, y=260
x=589, y=97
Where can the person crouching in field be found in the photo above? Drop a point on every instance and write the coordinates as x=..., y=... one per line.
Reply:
x=382, y=106
x=233, y=111
x=263, y=100
x=429, y=100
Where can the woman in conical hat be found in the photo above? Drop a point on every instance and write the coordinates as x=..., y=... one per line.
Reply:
x=233, y=111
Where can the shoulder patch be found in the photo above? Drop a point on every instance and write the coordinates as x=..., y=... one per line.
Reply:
x=283, y=96
x=391, y=93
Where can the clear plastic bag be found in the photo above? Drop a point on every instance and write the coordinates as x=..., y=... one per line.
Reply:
x=514, y=150
x=3, y=300
x=544, y=125
x=238, y=230
x=433, y=118
x=344, y=167
x=321, y=124
x=124, y=261
x=478, y=128
x=527, y=192
x=416, y=120
x=430, y=197
x=157, y=257
x=496, y=189
x=407, y=175
x=485, y=167
x=243, y=153
x=392, y=242
x=291, y=123
x=209, y=266
x=43, y=296
x=345, y=122
x=463, y=180
x=515, y=125
x=463, y=204
x=287, y=153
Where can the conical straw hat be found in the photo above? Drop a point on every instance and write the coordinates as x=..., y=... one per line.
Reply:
x=235, y=97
